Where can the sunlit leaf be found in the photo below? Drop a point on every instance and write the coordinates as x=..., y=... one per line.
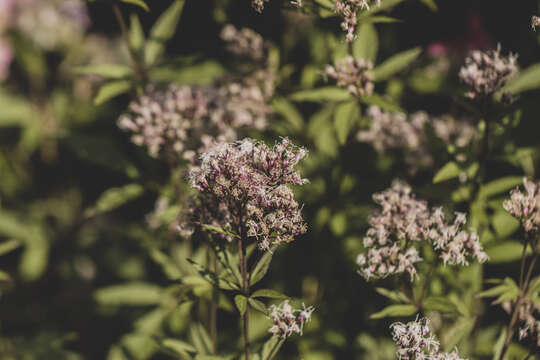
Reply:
x=395, y=64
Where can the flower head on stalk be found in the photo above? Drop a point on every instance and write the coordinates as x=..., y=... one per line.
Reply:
x=288, y=321
x=348, y=10
x=251, y=181
x=485, y=73
x=244, y=43
x=402, y=223
x=525, y=206
x=353, y=75
x=416, y=342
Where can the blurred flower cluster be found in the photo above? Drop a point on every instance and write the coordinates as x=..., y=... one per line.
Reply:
x=416, y=342
x=353, y=75
x=397, y=131
x=485, y=73
x=529, y=316
x=404, y=221
x=185, y=120
x=288, y=321
x=248, y=181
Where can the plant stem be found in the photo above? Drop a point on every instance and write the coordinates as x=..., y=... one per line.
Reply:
x=274, y=349
x=523, y=292
x=245, y=289
x=139, y=67
x=214, y=308
x=424, y=287
x=482, y=159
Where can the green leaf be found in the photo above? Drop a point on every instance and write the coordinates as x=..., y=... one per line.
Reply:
x=289, y=112
x=139, y=3
x=322, y=94
x=382, y=102
x=326, y=4
x=136, y=33
x=257, y=305
x=449, y=171
x=395, y=311
x=528, y=79
x=430, y=4
x=261, y=268
x=457, y=332
x=129, y=294
x=385, y=5
x=396, y=296
x=504, y=224
x=200, y=339
x=15, y=110
x=498, y=186
x=508, y=251
x=379, y=19
x=9, y=245
x=441, y=304
x=178, y=346
x=111, y=89
x=107, y=71
x=114, y=198
x=5, y=280
x=162, y=31
x=395, y=64
x=241, y=304
x=269, y=293
x=366, y=44
x=344, y=119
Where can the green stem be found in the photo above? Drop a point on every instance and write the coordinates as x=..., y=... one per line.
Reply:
x=245, y=289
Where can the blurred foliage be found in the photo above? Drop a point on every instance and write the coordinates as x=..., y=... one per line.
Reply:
x=84, y=273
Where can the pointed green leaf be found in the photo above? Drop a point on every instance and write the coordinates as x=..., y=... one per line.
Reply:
x=178, y=345
x=328, y=93
x=136, y=33
x=110, y=90
x=527, y=79
x=395, y=311
x=366, y=44
x=257, y=305
x=380, y=101
x=129, y=294
x=9, y=245
x=395, y=64
x=139, y=3
x=241, y=304
x=508, y=251
x=261, y=268
x=200, y=339
x=269, y=293
x=449, y=171
x=107, y=71
x=344, y=119
x=430, y=4
x=114, y=198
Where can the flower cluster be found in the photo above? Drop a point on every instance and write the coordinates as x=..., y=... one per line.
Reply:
x=525, y=206
x=535, y=21
x=244, y=42
x=348, y=10
x=397, y=131
x=416, y=342
x=404, y=221
x=287, y=320
x=6, y=52
x=51, y=24
x=529, y=315
x=352, y=74
x=485, y=73
x=249, y=181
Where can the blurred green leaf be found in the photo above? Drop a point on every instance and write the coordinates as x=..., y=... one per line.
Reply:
x=385, y=5
x=162, y=31
x=269, y=293
x=366, y=44
x=139, y=3
x=271, y=347
x=382, y=102
x=344, y=119
x=289, y=112
x=461, y=329
x=129, y=294
x=257, y=305
x=395, y=64
x=504, y=224
x=178, y=345
x=136, y=33
x=498, y=186
x=5, y=280
x=200, y=339
x=15, y=110
x=395, y=311
x=430, y=4
x=114, y=198
x=9, y=245
x=322, y=94
x=261, y=268
x=508, y=251
x=107, y=71
x=449, y=171
x=110, y=90
x=396, y=296
x=527, y=79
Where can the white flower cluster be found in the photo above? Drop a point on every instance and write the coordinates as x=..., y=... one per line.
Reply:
x=348, y=10
x=416, y=342
x=525, y=206
x=403, y=222
x=289, y=321
x=353, y=75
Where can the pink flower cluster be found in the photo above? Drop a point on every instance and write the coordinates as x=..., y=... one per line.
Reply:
x=402, y=223
x=244, y=43
x=525, y=206
x=529, y=315
x=416, y=342
x=248, y=181
x=397, y=131
x=288, y=321
x=485, y=73
x=352, y=74
x=348, y=10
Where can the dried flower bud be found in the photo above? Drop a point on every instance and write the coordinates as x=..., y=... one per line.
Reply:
x=288, y=321
x=485, y=73
x=353, y=75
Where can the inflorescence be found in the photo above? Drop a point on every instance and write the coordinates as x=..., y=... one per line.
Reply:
x=525, y=206
x=401, y=224
x=416, y=342
x=246, y=182
x=485, y=73
x=288, y=321
x=349, y=10
x=353, y=75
